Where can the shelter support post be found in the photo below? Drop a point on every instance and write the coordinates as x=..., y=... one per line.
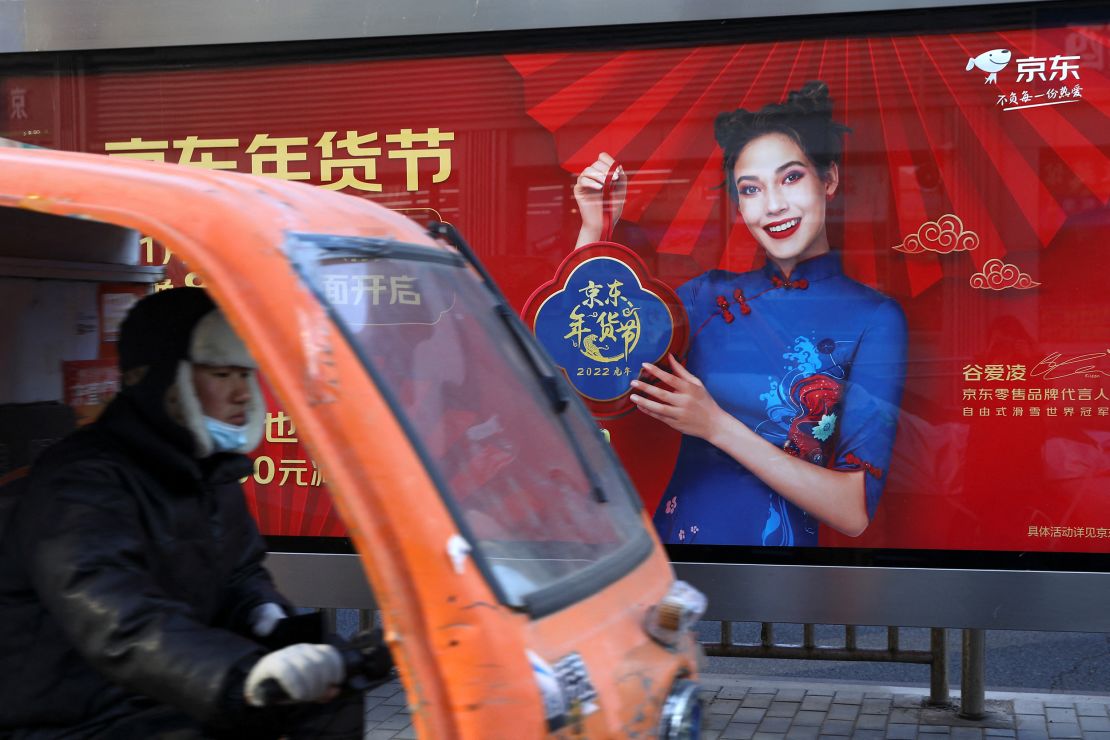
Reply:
x=938, y=671
x=972, y=674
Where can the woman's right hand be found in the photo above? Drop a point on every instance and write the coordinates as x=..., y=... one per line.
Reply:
x=587, y=191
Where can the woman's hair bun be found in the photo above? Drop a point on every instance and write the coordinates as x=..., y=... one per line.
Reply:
x=806, y=116
x=728, y=125
x=812, y=99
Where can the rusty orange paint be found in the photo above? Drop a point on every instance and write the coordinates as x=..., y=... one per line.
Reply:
x=461, y=654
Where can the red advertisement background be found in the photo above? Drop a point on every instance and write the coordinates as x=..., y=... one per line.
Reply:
x=929, y=138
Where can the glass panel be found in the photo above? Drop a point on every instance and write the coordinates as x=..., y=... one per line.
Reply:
x=436, y=340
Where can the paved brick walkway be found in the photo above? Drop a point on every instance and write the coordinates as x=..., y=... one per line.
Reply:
x=750, y=709
x=387, y=713
x=739, y=709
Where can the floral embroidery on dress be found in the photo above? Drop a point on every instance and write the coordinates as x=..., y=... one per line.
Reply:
x=672, y=504
x=816, y=397
x=825, y=427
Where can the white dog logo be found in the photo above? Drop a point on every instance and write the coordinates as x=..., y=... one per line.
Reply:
x=991, y=62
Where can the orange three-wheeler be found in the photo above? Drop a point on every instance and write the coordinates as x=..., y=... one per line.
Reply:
x=522, y=590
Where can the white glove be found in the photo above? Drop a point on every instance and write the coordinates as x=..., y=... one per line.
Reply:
x=264, y=618
x=305, y=672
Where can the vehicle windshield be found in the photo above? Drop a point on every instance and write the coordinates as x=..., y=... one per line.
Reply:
x=528, y=476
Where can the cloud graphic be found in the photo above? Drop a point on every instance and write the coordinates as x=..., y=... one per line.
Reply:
x=998, y=275
x=944, y=235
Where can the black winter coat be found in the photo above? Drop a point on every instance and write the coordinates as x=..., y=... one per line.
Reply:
x=127, y=567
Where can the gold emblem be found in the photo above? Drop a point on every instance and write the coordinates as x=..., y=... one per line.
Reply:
x=604, y=328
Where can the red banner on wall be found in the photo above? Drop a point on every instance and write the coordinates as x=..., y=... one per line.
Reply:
x=973, y=194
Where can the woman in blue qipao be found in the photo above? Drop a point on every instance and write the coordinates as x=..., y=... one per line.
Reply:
x=788, y=398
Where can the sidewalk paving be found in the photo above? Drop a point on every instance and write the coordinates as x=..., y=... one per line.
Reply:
x=754, y=709
x=738, y=708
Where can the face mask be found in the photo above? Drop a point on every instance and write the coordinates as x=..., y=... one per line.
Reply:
x=225, y=437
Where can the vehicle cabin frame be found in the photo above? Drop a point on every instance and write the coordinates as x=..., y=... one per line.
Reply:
x=462, y=653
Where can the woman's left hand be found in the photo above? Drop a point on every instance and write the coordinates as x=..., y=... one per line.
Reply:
x=679, y=401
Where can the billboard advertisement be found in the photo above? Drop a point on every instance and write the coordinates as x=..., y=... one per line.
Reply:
x=837, y=292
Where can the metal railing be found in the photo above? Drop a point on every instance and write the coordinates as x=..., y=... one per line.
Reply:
x=367, y=619
x=936, y=657
x=972, y=663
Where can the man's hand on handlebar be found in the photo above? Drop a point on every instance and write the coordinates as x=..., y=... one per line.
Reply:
x=298, y=673
x=311, y=672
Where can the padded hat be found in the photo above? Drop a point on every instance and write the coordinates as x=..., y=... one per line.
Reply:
x=161, y=338
x=158, y=329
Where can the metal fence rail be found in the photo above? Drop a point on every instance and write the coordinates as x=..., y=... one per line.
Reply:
x=936, y=657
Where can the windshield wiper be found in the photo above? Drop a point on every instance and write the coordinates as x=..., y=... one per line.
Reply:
x=553, y=388
x=545, y=370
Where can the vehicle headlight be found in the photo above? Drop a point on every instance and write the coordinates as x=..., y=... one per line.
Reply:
x=681, y=719
x=675, y=615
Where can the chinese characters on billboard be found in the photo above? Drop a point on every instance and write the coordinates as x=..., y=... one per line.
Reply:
x=867, y=274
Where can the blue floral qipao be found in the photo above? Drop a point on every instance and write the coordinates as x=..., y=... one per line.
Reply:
x=814, y=365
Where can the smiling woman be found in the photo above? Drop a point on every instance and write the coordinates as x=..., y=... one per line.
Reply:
x=782, y=198
x=788, y=398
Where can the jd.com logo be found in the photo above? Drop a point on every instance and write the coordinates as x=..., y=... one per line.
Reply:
x=1051, y=80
